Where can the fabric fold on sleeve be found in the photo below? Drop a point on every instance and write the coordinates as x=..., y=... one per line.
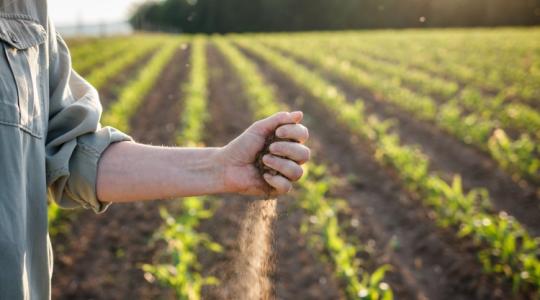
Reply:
x=73, y=182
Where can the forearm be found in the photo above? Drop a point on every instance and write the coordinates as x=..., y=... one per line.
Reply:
x=133, y=172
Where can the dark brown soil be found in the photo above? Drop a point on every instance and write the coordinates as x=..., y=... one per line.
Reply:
x=100, y=256
x=450, y=156
x=297, y=274
x=429, y=263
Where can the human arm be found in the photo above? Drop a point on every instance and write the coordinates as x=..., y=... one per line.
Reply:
x=133, y=172
x=88, y=165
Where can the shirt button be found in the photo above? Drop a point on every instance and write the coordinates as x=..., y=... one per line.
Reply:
x=14, y=39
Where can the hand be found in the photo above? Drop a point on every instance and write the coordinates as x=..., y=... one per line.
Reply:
x=240, y=174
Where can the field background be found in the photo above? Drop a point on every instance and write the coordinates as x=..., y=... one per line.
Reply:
x=424, y=182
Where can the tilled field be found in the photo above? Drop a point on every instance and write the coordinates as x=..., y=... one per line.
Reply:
x=385, y=221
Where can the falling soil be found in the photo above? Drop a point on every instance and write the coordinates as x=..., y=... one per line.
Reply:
x=251, y=269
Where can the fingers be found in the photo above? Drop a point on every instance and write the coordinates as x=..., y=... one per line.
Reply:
x=268, y=125
x=280, y=184
x=294, y=151
x=286, y=167
x=297, y=132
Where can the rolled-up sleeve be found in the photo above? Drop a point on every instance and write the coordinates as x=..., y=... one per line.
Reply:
x=75, y=139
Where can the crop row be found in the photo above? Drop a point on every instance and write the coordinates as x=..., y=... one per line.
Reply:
x=87, y=49
x=510, y=115
x=195, y=115
x=506, y=63
x=323, y=225
x=506, y=247
x=521, y=156
x=135, y=91
x=179, y=232
x=100, y=56
x=101, y=76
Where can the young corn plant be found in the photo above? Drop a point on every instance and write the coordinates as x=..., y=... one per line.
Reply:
x=522, y=155
x=54, y=214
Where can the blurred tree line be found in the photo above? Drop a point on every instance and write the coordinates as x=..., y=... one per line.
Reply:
x=222, y=16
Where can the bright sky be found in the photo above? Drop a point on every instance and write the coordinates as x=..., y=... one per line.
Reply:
x=72, y=12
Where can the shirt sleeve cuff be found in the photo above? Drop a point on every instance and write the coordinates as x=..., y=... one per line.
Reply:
x=82, y=184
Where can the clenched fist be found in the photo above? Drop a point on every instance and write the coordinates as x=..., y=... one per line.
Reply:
x=240, y=175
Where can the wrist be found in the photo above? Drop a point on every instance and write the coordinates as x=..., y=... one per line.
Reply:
x=199, y=170
x=219, y=166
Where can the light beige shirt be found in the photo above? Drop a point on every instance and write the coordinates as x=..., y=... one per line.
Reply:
x=50, y=144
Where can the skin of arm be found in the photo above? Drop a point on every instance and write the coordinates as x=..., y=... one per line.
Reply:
x=129, y=171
